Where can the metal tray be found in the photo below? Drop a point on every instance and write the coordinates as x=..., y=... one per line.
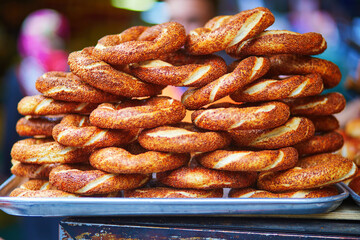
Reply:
x=56, y=207
x=354, y=196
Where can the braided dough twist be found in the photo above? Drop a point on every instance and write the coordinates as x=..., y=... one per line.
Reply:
x=36, y=126
x=279, y=42
x=77, y=131
x=234, y=116
x=288, y=64
x=147, y=113
x=66, y=86
x=310, y=172
x=318, y=105
x=270, y=89
x=321, y=143
x=29, y=170
x=325, y=123
x=222, y=32
x=295, y=130
x=165, y=192
x=42, y=151
x=101, y=75
x=203, y=178
x=310, y=193
x=84, y=180
x=247, y=71
x=142, y=44
x=265, y=160
x=118, y=160
x=182, y=138
x=40, y=105
x=180, y=69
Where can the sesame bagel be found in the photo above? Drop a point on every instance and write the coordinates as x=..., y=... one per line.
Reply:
x=77, y=131
x=203, y=178
x=182, y=138
x=119, y=160
x=241, y=116
x=310, y=172
x=146, y=113
x=295, y=130
x=265, y=160
x=247, y=71
x=85, y=180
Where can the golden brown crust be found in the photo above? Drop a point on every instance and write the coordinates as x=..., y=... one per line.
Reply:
x=180, y=69
x=288, y=64
x=247, y=71
x=147, y=113
x=65, y=86
x=270, y=89
x=102, y=75
x=354, y=183
x=325, y=123
x=203, y=178
x=222, y=32
x=311, y=193
x=321, y=143
x=351, y=148
x=319, y=105
x=42, y=151
x=29, y=170
x=41, y=105
x=84, y=180
x=295, y=130
x=36, y=126
x=142, y=44
x=37, y=184
x=240, y=117
x=165, y=192
x=182, y=138
x=19, y=192
x=118, y=160
x=77, y=131
x=310, y=172
x=265, y=160
x=279, y=42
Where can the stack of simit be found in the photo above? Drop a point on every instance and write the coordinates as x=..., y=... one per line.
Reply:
x=108, y=128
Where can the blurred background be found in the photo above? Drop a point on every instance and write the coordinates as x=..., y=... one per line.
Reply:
x=36, y=36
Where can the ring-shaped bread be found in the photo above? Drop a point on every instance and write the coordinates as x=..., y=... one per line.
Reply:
x=41, y=105
x=42, y=151
x=203, y=178
x=77, y=131
x=143, y=43
x=321, y=143
x=180, y=69
x=311, y=172
x=166, y=192
x=29, y=126
x=319, y=105
x=295, y=130
x=290, y=64
x=247, y=71
x=146, y=113
x=182, y=138
x=241, y=116
x=119, y=160
x=102, y=75
x=271, y=89
x=222, y=32
x=245, y=160
x=85, y=180
x=66, y=86
x=308, y=193
x=33, y=171
x=279, y=42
